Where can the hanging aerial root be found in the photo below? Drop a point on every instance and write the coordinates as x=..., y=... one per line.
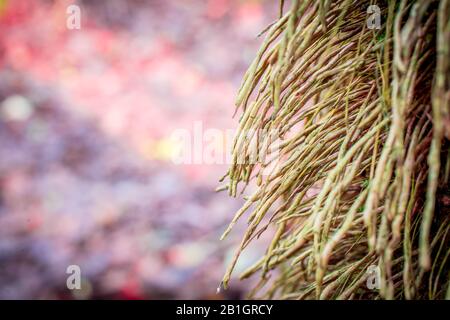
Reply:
x=343, y=137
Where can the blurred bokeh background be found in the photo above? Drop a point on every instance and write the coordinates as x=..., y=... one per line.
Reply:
x=86, y=176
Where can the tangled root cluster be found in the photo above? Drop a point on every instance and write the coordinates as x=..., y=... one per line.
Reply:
x=358, y=174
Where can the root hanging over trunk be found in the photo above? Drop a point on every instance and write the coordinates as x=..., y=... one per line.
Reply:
x=344, y=138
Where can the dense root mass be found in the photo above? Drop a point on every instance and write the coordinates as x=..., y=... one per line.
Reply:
x=356, y=177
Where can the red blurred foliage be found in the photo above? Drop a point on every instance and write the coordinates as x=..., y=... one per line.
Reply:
x=84, y=178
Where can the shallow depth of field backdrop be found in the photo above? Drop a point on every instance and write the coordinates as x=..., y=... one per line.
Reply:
x=86, y=176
